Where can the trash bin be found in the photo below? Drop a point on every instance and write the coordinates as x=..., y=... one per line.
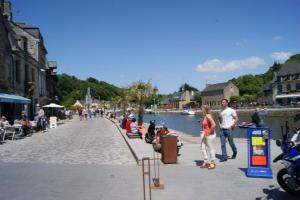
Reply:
x=169, y=149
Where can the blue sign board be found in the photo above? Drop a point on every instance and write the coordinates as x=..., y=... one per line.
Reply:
x=259, y=157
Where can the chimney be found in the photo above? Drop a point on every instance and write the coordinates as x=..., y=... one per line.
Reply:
x=6, y=9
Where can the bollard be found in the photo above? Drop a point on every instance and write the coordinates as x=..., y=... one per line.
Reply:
x=144, y=174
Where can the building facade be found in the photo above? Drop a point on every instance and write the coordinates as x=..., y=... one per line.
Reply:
x=284, y=88
x=213, y=94
x=25, y=70
x=178, y=100
x=6, y=59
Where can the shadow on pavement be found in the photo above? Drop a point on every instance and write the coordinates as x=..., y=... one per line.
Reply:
x=275, y=193
x=243, y=170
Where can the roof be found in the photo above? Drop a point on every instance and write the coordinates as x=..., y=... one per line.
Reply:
x=165, y=101
x=289, y=68
x=176, y=96
x=215, y=87
x=32, y=30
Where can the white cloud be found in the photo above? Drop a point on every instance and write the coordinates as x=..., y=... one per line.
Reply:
x=277, y=38
x=280, y=56
x=216, y=65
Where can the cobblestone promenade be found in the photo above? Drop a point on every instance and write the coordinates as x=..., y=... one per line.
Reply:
x=95, y=141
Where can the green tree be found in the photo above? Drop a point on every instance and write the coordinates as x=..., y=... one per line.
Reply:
x=198, y=99
x=141, y=90
x=249, y=84
x=295, y=57
x=116, y=101
x=92, y=80
x=69, y=89
x=187, y=87
x=248, y=98
x=235, y=98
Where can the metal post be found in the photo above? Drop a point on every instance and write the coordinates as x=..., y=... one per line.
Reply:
x=156, y=180
x=146, y=173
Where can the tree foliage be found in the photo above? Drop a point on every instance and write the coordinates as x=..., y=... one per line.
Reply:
x=142, y=90
x=295, y=57
x=252, y=84
x=198, y=98
x=69, y=89
x=235, y=98
x=187, y=87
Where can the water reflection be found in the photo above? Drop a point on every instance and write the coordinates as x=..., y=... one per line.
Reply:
x=190, y=123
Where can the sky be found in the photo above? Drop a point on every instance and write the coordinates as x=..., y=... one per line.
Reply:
x=169, y=42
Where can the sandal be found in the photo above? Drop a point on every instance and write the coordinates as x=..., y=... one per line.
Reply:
x=205, y=164
x=211, y=166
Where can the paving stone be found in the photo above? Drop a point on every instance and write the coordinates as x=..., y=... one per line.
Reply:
x=95, y=141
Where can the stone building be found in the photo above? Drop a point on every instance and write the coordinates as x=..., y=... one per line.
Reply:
x=26, y=71
x=284, y=88
x=213, y=94
x=6, y=59
x=178, y=100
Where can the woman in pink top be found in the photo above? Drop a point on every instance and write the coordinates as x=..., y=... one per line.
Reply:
x=208, y=134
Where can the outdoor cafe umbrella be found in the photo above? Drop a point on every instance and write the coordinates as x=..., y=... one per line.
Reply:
x=53, y=105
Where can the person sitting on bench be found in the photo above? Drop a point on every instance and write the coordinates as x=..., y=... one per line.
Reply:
x=127, y=125
x=134, y=128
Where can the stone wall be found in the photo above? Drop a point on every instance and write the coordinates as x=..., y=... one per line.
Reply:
x=5, y=58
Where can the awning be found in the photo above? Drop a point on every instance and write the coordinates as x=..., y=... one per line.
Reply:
x=283, y=96
x=11, y=98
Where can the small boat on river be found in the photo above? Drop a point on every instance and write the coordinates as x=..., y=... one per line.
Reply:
x=188, y=112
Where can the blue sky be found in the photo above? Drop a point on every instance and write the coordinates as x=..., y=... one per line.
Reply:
x=167, y=41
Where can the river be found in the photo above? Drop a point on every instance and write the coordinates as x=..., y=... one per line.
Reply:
x=190, y=123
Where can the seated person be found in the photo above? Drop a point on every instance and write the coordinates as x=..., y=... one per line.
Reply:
x=127, y=125
x=123, y=122
x=257, y=117
x=134, y=128
x=160, y=132
x=150, y=135
x=4, y=122
x=26, y=126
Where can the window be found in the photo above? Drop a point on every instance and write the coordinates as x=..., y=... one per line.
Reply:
x=298, y=86
x=26, y=73
x=279, y=88
x=18, y=73
x=25, y=44
x=288, y=87
x=32, y=75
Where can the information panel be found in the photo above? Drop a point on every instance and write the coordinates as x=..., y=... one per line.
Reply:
x=259, y=158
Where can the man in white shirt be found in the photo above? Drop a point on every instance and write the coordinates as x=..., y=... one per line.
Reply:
x=227, y=121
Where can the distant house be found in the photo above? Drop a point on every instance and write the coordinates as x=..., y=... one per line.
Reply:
x=165, y=103
x=178, y=100
x=284, y=88
x=213, y=94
